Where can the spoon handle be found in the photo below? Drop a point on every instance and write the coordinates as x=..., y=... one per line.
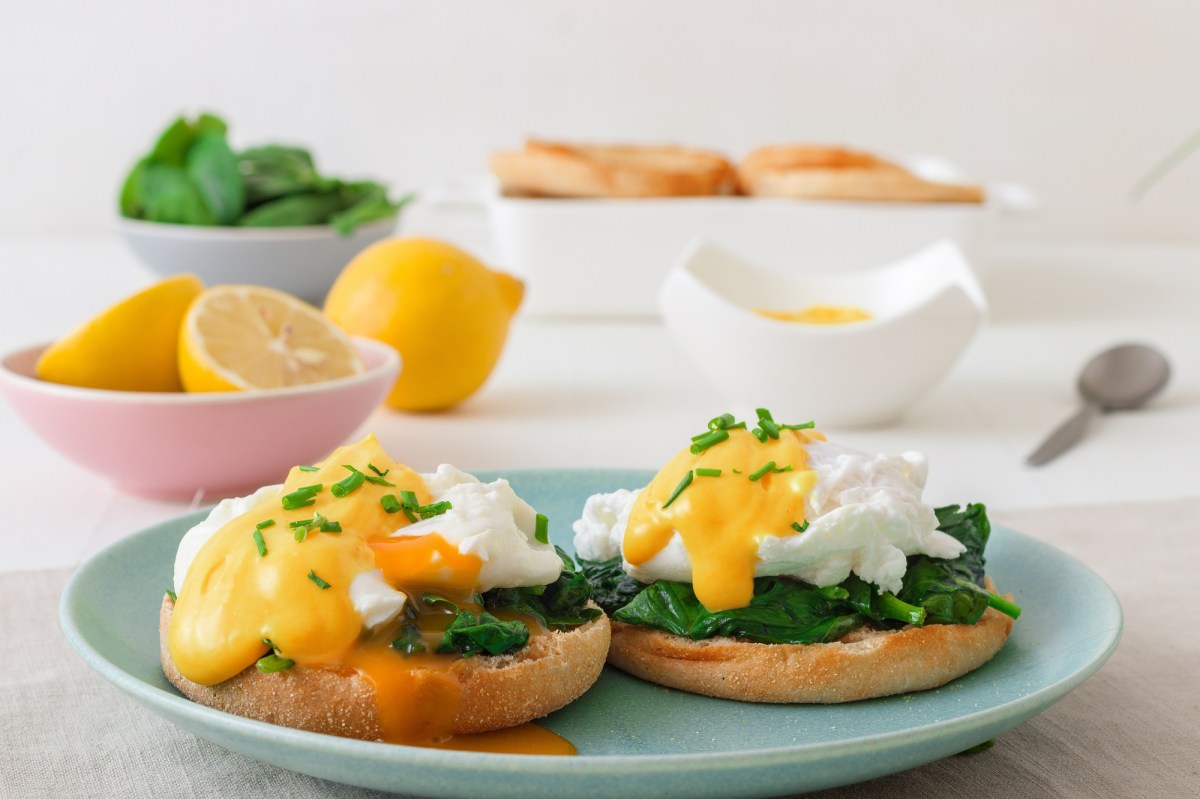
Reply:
x=1065, y=436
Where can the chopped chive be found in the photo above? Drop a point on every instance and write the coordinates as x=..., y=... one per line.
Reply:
x=800, y=527
x=299, y=499
x=412, y=517
x=390, y=503
x=541, y=529
x=805, y=426
x=258, y=542
x=763, y=413
x=269, y=645
x=699, y=436
x=787, y=468
x=760, y=434
x=737, y=426
x=766, y=468
x=709, y=472
x=349, y=485
x=300, y=534
x=315, y=488
x=409, y=499
x=684, y=483
x=264, y=524
x=720, y=422
x=710, y=438
x=310, y=469
x=769, y=427
x=331, y=527
x=312, y=575
x=171, y=594
x=435, y=509
x=269, y=664
x=736, y=471
x=375, y=469
x=379, y=481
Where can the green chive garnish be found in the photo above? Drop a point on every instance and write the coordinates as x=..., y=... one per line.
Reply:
x=800, y=527
x=684, y=483
x=331, y=527
x=409, y=500
x=375, y=469
x=258, y=542
x=390, y=503
x=379, y=481
x=763, y=413
x=315, y=488
x=699, y=436
x=738, y=426
x=541, y=529
x=349, y=485
x=709, y=472
x=762, y=470
x=299, y=499
x=269, y=664
x=171, y=594
x=760, y=434
x=312, y=575
x=436, y=509
x=769, y=427
x=709, y=439
x=805, y=426
x=720, y=422
x=310, y=469
x=264, y=524
x=787, y=468
x=736, y=471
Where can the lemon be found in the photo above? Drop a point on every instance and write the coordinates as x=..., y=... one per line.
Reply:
x=444, y=311
x=131, y=346
x=235, y=338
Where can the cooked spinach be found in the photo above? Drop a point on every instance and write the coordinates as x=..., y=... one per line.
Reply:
x=471, y=635
x=783, y=610
x=192, y=177
x=558, y=606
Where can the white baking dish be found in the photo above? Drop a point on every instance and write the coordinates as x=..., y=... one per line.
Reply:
x=609, y=257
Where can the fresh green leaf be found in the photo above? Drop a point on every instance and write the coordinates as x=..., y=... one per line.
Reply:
x=133, y=191
x=273, y=171
x=951, y=591
x=409, y=642
x=560, y=605
x=297, y=210
x=471, y=635
x=210, y=123
x=169, y=195
x=612, y=588
x=213, y=167
x=781, y=611
x=173, y=143
x=372, y=207
x=882, y=608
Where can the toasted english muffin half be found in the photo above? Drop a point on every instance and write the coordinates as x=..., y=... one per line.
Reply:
x=559, y=169
x=815, y=172
x=865, y=664
x=498, y=691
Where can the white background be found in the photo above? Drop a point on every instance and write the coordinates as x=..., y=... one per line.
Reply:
x=1075, y=99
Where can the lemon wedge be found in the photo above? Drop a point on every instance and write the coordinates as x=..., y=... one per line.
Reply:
x=238, y=338
x=130, y=346
x=444, y=311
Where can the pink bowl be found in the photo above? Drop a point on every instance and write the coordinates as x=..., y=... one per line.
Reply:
x=174, y=445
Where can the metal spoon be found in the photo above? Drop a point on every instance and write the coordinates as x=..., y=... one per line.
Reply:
x=1118, y=379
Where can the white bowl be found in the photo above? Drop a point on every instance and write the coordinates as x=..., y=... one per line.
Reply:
x=303, y=261
x=925, y=309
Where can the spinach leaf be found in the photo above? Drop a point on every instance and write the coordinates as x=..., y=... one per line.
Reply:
x=214, y=169
x=176, y=141
x=133, y=190
x=558, y=606
x=952, y=591
x=471, y=635
x=273, y=171
x=881, y=608
x=368, y=202
x=295, y=210
x=409, y=642
x=782, y=611
x=168, y=195
x=612, y=588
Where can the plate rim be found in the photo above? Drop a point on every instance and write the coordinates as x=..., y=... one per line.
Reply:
x=631, y=764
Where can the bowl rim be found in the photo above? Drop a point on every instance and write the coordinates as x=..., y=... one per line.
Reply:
x=389, y=361
x=170, y=230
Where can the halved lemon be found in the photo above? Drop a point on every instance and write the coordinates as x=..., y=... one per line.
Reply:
x=238, y=338
x=130, y=346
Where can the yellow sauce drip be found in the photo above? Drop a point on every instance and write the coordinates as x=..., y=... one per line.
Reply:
x=819, y=315
x=722, y=520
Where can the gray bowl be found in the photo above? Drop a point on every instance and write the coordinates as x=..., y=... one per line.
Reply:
x=303, y=261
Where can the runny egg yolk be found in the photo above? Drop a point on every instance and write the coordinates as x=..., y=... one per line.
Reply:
x=234, y=597
x=722, y=519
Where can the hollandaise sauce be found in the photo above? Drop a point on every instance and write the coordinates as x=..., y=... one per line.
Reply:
x=818, y=315
x=277, y=578
x=723, y=495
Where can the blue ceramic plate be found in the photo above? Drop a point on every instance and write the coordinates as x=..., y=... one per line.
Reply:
x=634, y=738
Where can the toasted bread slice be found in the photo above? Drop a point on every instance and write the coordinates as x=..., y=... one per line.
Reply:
x=556, y=169
x=835, y=173
x=864, y=664
x=496, y=691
